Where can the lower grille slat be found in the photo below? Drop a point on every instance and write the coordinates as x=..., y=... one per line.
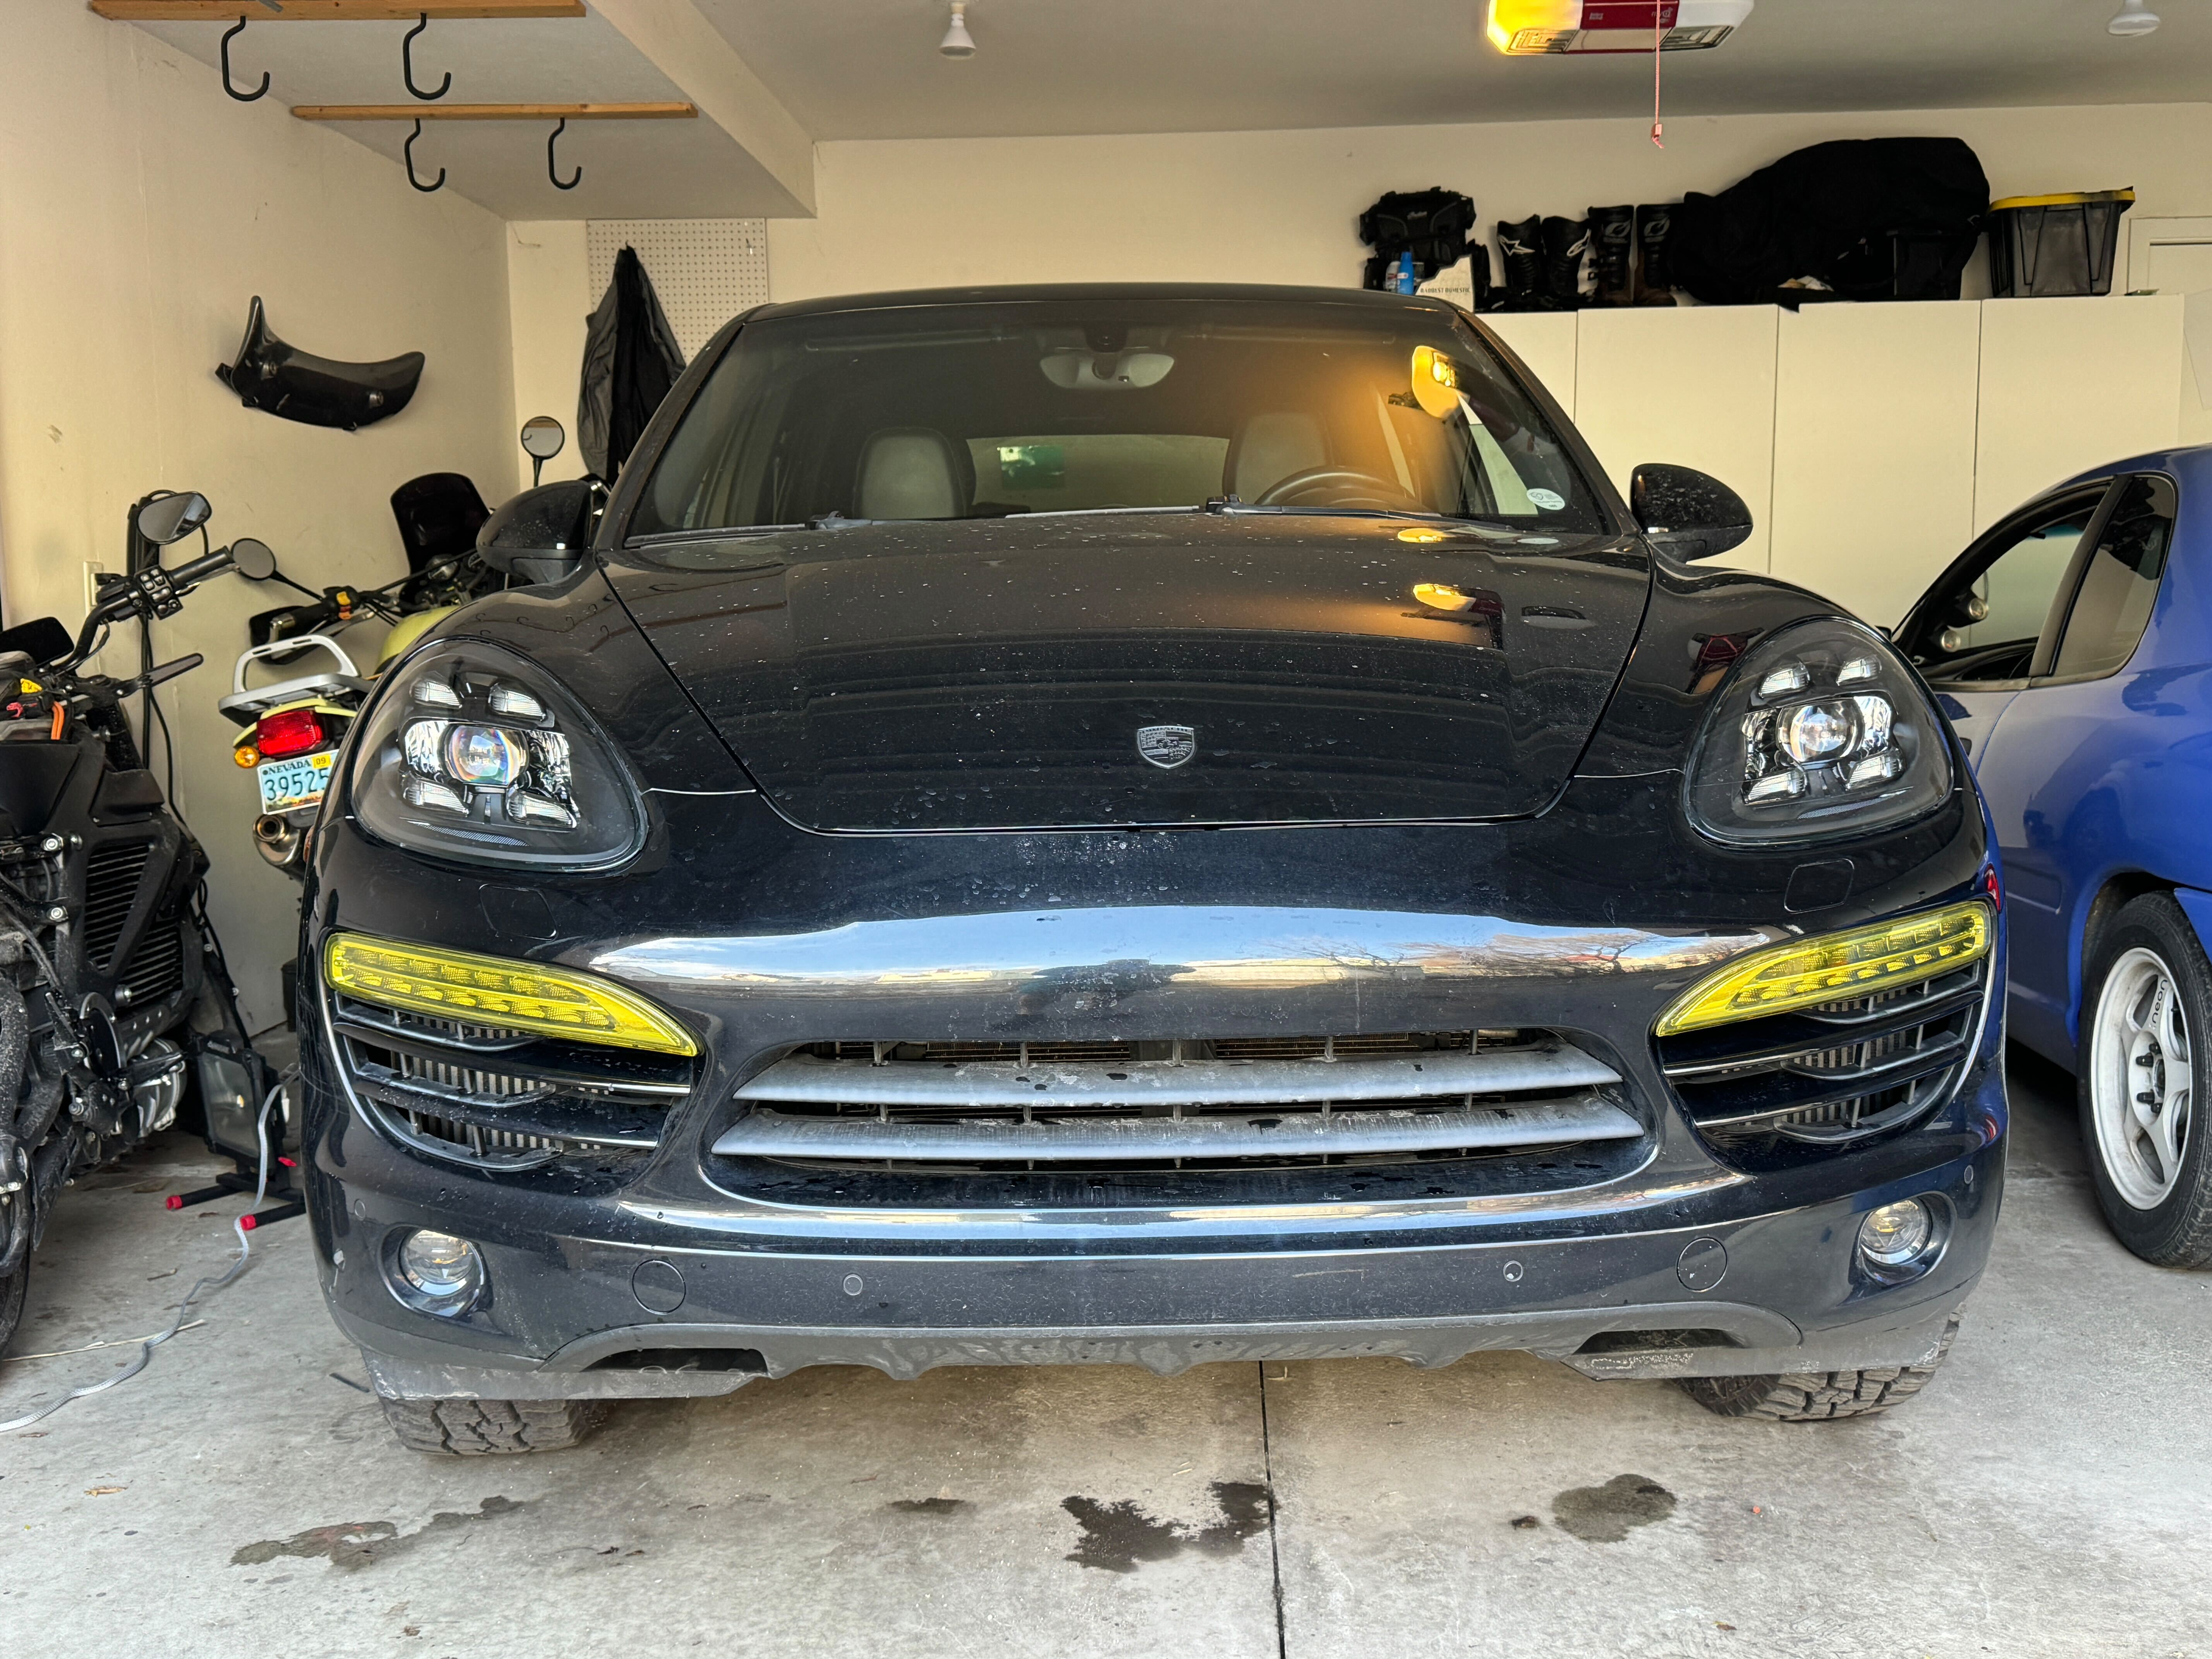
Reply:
x=1293, y=1134
x=1213, y=1102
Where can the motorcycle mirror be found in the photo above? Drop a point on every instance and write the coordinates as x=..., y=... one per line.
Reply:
x=253, y=560
x=541, y=440
x=167, y=519
x=543, y=437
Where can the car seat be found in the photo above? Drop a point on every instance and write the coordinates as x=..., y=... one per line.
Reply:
x=1268, y=448
x=912, y=472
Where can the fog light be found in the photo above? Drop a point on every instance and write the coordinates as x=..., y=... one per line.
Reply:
x=1895, y=1235
x=439, y=1272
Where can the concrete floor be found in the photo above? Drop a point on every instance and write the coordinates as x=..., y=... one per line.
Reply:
x=2051, y=1494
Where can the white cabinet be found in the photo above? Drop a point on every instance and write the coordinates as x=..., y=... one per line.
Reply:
x=1874, y=449
x=1545, y=341
x=2068, y=385
x=1871, y=442
x=1694, y=385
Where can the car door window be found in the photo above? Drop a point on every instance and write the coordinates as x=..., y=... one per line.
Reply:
x=2119, y=583
x=1984, y=625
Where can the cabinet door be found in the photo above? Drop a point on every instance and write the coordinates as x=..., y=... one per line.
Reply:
x=1874, y=450
x=1694, y=385
x=1545, y=341
x=2069, y=384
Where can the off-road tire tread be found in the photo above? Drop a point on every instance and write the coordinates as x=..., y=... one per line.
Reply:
x=1817, y=1396
x=482, y=1428
x=2179, y=1232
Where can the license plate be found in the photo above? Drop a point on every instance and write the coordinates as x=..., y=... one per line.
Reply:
x=297, y=780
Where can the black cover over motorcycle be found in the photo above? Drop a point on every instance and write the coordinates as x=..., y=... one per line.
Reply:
x=1873, y=218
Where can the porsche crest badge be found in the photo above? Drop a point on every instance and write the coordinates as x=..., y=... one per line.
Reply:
x=1166, y=746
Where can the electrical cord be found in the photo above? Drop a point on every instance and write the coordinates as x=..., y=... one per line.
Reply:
x=212, y=1282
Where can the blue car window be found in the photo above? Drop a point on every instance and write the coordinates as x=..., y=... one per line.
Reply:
x=2119, y=583
x=1985, y=628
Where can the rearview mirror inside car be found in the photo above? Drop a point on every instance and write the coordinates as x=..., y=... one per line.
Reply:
x=1686, y=513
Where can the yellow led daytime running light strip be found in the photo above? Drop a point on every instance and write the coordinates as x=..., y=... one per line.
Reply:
x=1833, y=967
x=523, y=996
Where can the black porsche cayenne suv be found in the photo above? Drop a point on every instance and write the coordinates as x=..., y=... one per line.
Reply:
x=1151, y=825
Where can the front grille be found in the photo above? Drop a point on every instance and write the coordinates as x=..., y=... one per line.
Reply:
x=1216, y=1103
x=1842, y=1072
x=111, y=876
x=501, y=1098
x=156, y=968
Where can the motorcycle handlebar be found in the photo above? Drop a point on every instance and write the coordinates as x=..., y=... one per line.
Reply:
x=193, y=575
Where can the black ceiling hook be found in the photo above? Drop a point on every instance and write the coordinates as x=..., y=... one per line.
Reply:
x=435, y=183
x=407, y=64
x=553, y=172
x=229, y=35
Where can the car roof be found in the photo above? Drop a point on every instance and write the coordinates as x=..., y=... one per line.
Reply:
x=2191, y=463
x=1082, y=292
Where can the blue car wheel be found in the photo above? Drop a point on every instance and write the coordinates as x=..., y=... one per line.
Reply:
x=2150, y=1015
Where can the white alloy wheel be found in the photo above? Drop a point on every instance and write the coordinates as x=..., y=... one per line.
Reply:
x=2140, y=1077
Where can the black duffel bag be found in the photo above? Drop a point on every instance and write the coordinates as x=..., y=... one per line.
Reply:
x=1873, y=218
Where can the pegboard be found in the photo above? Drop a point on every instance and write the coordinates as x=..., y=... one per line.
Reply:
x=705, y=270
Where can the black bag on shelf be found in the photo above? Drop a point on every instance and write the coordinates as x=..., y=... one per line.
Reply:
x=1433, y=225
x=1873, y=218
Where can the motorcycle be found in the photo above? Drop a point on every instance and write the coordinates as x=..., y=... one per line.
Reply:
x=114, y=997
x=294, y=726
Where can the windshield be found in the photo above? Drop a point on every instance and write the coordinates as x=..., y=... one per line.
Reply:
x=983, y=410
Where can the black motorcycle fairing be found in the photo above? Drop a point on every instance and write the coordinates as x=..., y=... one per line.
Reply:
x=271, y=375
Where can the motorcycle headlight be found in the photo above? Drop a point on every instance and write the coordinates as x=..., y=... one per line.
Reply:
x=1819, y=732
x=473, y=753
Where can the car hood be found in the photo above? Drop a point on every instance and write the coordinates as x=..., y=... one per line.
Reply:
x=1015, y=673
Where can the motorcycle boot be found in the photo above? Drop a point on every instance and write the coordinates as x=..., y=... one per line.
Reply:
x=1566, y=243
x=1613, y=254
x=1655, y=265
x=1521, y=246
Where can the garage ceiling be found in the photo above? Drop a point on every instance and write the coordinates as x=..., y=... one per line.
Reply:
x=869, y=68
x=771, y=77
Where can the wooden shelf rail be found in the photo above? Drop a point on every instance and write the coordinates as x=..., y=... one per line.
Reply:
x=325, y=11
x=494, y=112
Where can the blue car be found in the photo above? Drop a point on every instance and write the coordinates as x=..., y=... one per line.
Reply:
x=2071, y=646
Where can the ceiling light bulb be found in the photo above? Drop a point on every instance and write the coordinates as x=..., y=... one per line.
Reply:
x=959, y=43
x=2133, y=18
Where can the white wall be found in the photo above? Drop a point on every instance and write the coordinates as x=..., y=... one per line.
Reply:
x=139, y=209
x=1279, y=207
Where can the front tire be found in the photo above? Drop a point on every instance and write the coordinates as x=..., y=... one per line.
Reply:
x=484, y=1428
x=13, y=1290
x=2145, y=1021
x=1817, y=1396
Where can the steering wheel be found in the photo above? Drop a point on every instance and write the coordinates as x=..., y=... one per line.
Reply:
x=1338, y=486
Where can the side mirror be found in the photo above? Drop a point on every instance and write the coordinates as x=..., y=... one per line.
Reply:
x=543, y=534
x=1687, y=513
x=543, y=438
x=252, y=559
x=167, y=519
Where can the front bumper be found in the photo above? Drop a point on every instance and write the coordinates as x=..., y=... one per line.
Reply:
x=680, y=1279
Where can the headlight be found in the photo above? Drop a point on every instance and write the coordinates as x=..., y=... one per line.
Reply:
x=1819, y=732
x=471, y=752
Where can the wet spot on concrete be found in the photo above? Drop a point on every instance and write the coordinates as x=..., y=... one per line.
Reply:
x=1118, y=1537
x=351, y=1545
x=928, y=1505
x=1604, y=1514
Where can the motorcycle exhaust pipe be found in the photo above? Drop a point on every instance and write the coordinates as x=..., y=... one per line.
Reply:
x=279, y=840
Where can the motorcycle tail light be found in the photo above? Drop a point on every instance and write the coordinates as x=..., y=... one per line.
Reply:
x=289, y=732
